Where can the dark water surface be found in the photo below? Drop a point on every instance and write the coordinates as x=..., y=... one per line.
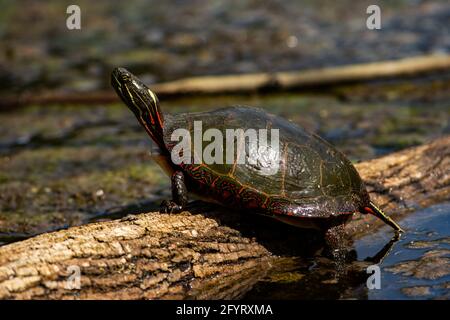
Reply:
x=427, y=234
x=417, y=267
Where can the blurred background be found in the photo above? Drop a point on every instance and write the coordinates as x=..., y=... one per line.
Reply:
x=65, y=164
x=172, y=39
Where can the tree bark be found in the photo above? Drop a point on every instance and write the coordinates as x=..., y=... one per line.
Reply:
x=206, y=253
x=249, y=83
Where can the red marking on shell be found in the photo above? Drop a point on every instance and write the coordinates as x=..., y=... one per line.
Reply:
x=213, y=184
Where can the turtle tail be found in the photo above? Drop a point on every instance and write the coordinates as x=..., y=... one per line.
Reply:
x=377, y=212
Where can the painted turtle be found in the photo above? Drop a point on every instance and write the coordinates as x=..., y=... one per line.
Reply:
x=316, y=185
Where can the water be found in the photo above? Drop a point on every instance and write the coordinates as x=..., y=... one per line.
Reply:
x=427, y=231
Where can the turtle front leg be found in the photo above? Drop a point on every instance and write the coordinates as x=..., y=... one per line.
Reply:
x=179, y=195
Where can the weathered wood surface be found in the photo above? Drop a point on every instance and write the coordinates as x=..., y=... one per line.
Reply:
x=206, y=253
x=248, y=83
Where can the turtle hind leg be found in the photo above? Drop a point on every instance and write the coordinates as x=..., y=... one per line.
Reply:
x=336, y=247
x=335, y=241
x=179, y=195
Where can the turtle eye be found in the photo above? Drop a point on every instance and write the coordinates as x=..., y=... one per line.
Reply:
x=125, y=77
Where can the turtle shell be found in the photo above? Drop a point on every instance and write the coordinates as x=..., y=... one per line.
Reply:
x=305, y=177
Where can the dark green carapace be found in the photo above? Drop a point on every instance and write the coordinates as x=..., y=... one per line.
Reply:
x=314, y=185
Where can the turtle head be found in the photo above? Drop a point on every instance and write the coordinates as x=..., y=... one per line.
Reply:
x=141, y=101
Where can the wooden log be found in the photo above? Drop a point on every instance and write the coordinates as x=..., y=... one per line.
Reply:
x=248, y=83
x=306, y=78
x=207, y=253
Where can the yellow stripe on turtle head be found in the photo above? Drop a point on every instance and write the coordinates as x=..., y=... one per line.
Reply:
x=155, y=101
x=131, y=96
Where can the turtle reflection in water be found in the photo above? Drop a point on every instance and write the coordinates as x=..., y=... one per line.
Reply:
x=316, y=186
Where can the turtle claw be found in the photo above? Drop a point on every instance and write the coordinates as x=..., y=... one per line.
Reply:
x=168, y=206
